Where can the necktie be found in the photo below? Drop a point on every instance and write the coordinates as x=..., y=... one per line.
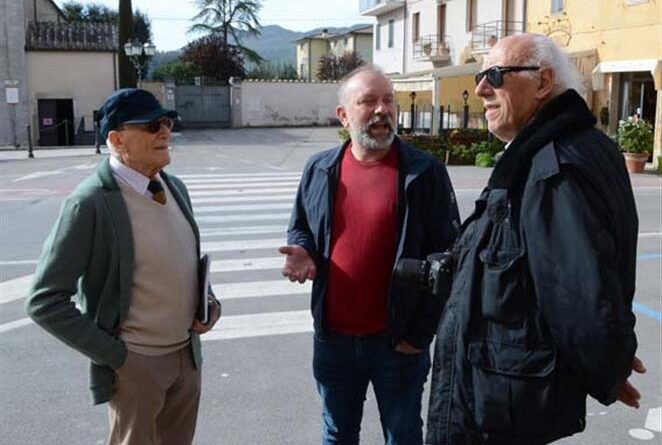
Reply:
x=158, y=194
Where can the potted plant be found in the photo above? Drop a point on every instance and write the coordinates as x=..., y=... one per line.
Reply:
x=635, y=138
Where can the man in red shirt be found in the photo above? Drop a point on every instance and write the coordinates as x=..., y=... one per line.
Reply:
x=359, y=208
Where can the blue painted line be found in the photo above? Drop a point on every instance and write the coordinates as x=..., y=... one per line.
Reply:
x=645, y=310
x=650, y=256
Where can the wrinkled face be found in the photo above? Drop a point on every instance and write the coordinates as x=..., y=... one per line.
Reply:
x=510, y=107
x=368, y=111
x=142, y=150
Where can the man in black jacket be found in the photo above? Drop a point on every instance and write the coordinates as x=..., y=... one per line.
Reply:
x=540, y=313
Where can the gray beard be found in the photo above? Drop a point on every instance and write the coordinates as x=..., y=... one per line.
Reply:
x=362, y=137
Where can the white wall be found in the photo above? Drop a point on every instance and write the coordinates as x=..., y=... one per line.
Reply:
x=274, y=103
x=427, y=10
x=390, y=59
x=86, y=77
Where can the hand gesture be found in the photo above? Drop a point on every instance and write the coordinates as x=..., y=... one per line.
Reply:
x=299, y=266
x=628, y=394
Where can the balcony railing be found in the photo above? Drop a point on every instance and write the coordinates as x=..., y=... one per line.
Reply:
x=433, y=48
x=485, y=35
x=53, y=36
x=379, y=7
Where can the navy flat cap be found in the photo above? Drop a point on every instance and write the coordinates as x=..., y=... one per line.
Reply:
x=129, y=106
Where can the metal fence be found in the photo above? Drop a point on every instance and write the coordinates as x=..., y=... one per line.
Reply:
x=419, y=119
x=204, y=104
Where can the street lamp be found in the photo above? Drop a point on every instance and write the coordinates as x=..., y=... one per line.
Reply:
x=465, y=97
x=134, y=50
x=412, y=96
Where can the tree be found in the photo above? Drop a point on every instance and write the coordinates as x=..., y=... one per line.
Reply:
x=335, y=68
x=181, y=72
x=232, y=20
x=273, y=70
x=215, y=58
x=125, y=24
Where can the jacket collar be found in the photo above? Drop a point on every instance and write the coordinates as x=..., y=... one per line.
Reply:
x=563, y=115
x=412, y=161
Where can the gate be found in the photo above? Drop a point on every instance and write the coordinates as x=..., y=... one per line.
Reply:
x=203, y=106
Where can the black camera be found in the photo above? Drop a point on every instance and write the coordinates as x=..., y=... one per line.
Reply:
x=435, y=274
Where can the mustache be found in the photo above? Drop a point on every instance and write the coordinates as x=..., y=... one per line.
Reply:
x=380, y=120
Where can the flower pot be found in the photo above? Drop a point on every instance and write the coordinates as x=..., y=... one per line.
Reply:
x=635, y=162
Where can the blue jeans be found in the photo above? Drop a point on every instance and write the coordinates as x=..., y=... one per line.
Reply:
x=344, y=365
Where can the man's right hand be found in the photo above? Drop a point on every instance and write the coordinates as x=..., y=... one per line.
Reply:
x=299, y=266
x=628, y=394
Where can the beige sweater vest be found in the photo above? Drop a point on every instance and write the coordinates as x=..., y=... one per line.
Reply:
x=164, y=296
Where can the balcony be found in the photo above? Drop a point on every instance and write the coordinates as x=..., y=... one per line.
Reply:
x=433, y=48
x=54, y=36
x=485, y=35
x=379, y=7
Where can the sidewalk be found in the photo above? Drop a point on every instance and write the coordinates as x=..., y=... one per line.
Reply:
x=12, y=154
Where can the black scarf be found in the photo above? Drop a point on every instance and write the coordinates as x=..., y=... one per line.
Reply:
x=563, y=115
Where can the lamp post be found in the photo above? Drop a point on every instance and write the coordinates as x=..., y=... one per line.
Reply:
x=134, y=50
x=412, y=96
x=465, y=120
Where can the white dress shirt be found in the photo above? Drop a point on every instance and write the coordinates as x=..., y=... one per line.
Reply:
x=130, y=177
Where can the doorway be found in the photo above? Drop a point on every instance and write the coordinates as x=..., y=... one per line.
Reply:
x=56, y=122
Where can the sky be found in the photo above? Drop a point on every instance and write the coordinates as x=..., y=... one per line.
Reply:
x=171, y=18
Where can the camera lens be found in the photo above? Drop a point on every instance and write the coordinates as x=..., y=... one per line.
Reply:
x=411, y=273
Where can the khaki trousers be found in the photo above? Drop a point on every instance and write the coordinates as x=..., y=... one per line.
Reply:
x=156, y=400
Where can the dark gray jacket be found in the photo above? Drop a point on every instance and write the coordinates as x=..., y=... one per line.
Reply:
x=540, y=313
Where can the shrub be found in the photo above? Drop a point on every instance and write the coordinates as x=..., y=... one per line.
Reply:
x=635, y=136
x=484, y=159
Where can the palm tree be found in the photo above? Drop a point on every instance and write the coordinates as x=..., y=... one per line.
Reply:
x=234, y=19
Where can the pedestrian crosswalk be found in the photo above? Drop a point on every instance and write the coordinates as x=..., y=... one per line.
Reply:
x=242, y=220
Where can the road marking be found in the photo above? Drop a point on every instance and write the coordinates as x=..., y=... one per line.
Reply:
x=235, y=199
x=253, y=289
x=266, y=186
x=5, y=327
x=259, y=192
x=37, y=175
x=243, y=181
x=654, y=420
x=247, y=230
x=242, y=208
x=247, y=264
x=649, y=234
x=18, y=263
x=243, y=218
x=649, y=256
x=239, y=175
x=15, y=289
x=225, y=246
x=645, y=310
x=261, y=325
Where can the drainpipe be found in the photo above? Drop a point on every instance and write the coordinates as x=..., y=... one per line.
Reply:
x=404, y=40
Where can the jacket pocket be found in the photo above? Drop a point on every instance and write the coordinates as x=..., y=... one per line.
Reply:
x=501, y=296
x=513, y=387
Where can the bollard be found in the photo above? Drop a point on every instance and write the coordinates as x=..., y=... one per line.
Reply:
x=96, y=138
x=30, y=153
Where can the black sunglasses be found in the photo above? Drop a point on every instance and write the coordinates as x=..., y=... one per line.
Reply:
x=155, y=126
x=495, y=74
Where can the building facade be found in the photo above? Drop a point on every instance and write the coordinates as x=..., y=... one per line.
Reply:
x=310, y=49
x=625, y=36
x=55, y=74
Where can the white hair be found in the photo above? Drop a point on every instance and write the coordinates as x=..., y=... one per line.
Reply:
x=546, y=54
x=343, y=91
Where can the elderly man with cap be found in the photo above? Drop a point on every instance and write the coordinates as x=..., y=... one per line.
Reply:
x=127, y=246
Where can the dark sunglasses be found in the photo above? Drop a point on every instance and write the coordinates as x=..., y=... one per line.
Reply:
x=155, y=126
x=495, y=74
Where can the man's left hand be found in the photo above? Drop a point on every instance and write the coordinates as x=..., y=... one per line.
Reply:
x=202, y=328
x=405, y=348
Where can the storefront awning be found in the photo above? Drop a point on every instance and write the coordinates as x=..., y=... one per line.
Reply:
x=413, y=84
x=654, y=66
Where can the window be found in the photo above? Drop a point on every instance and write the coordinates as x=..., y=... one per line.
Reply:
x=416, y=26
x=391, y=33
x=378, y=37
x=557, y=6
x=472, y=14
x=441, y=23
x=345, y=42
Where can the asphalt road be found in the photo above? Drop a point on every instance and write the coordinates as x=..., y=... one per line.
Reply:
x=257, y=379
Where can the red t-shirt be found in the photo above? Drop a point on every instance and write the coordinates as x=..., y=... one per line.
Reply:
x=363, y=244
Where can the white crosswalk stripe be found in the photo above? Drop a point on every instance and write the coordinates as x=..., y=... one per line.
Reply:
x=242, y=220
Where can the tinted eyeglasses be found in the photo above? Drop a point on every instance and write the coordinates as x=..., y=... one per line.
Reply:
x=495, y=74
x=155, y=126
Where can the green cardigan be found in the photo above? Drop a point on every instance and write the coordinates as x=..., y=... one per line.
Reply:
x=89, y=253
